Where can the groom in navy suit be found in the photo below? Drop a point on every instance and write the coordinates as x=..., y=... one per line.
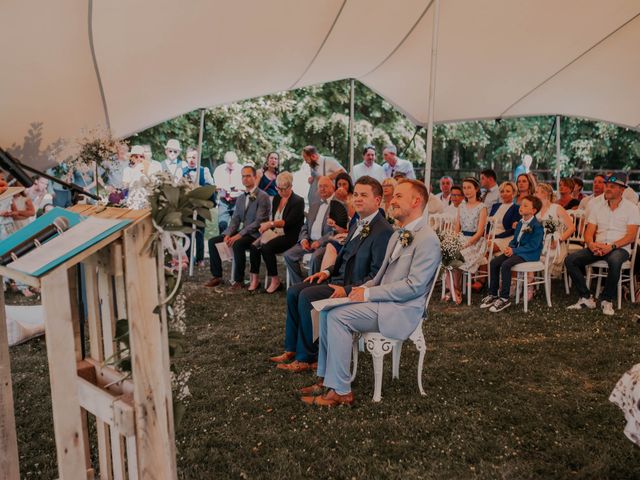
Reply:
x=358, y=261
x=526, y=246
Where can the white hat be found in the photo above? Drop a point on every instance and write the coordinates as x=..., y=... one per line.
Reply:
x=137, y=150
x=172, y=144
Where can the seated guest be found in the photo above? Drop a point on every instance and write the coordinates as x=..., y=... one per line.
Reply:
x=392, y=303
x=287, y=218
x=446, y=183
x=578, y=185
x=526, y=246
x=455, y=196
x=611, y=229
x=566, y=227
x=587, y=202
x=488, y=181
x=388, y=184
x=505, y=215
x=526, y=185
x=251, y=210
x=314, y=235
x=203, y=177
x=628, y=193
x=358, y=262
x=344, y=191
x=565, y=198
x=268, y=173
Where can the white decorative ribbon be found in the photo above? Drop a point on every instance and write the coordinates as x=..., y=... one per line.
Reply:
x=177, y=244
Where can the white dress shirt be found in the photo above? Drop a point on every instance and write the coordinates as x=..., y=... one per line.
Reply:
x=360, y=170
x=316, y=229
x=229, y=179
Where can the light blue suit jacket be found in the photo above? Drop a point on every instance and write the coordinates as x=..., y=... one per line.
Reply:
x=401, y=286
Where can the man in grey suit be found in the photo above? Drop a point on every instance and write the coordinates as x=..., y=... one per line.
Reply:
x=314, y=235
x=252, y=208
x=392, y=303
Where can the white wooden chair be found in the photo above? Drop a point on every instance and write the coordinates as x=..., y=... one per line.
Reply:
x=600, y=270
x=379, y=345
x=468, y=277
x=575, y=242
x=441, y=222
x=541, y=275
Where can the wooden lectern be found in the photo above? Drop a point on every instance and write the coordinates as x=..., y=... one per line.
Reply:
x=133, y=414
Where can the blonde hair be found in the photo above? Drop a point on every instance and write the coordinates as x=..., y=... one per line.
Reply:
x=390, y=181
x=548, y=190
x=509, y=184
x=284, y=178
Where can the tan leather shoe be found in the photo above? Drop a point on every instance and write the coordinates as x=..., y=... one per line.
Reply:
x=213, y=282
x=295, y=366
x=315, y=389
x=330, y=399
x=285, y=357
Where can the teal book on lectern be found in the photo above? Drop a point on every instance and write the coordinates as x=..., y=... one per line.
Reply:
x=82, y=233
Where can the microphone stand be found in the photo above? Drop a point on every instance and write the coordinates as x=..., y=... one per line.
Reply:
x=75, y=189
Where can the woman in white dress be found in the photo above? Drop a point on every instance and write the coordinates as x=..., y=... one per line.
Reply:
x=565, y=226
x=470, y=226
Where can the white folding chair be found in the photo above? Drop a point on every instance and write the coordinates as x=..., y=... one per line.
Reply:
x=541, y=275
x=378, y=346
x=626, y=273
x=467, y=277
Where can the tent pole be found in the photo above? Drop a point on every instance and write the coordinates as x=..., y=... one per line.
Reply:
x=351, y=125
x=192, y=257
x=558, y=153
x=432, y=93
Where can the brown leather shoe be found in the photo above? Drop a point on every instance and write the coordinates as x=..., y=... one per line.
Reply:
x=213, y=282
x=237, y=287
x=315, y=389
x=285, y=357
x=295, y=366
x=330, y=399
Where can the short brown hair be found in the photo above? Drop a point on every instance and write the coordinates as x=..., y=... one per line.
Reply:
x=418, y=187
x=310, y=150
x=535, y=201
x=375, y=185
x=568, y=182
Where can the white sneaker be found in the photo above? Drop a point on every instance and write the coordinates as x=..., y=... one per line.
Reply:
x=607, y=308
x=583, y=303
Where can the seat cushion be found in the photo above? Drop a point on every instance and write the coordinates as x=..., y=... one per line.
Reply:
x=528, y=267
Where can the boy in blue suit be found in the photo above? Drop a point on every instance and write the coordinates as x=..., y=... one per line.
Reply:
x=526, y=246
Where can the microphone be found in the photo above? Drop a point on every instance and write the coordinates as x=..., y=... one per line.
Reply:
x=59, y=225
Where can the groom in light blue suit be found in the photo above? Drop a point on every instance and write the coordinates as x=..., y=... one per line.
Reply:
x=392, y=303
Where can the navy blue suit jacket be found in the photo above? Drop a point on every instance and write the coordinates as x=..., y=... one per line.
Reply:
x=530, y=245
x=364, y=265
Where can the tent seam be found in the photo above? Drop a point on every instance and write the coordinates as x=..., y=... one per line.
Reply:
x=595, y=45
x=404, y=39
x=95, y=66
x=326, y=37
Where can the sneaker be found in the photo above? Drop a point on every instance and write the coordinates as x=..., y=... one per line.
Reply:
x=607, y=308
x=583, y=303
x=488, y=301
x=499, y=305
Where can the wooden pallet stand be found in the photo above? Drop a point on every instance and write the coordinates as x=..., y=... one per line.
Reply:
x=133, y=414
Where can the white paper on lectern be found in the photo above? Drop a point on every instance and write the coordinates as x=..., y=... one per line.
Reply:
x=320, y=305
x=225, y=252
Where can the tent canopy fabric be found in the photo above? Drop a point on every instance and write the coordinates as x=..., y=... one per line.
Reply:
x=126, y=66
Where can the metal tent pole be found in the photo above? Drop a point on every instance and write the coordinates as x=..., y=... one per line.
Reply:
x=192, y=257
x=351, y=125
x=558, y=161
x=432, y=92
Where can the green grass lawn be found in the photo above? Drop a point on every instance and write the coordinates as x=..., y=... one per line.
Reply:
x=509, y=395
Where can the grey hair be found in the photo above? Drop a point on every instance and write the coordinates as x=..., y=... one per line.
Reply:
x=284, y=178
x=391, y=149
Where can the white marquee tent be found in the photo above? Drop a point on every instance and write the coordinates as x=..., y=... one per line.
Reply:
x=70, y=66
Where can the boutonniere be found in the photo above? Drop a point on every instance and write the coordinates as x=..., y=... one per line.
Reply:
x=405, y=238
x=366, y=230
x=526, y=229
x=391, y=220
x=253, y=195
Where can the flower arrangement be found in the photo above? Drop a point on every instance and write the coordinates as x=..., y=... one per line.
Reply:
x=451, y=246
x=551, y=226
x=405, y=238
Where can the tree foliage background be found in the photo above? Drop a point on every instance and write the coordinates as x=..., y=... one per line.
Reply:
x=319, y=115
